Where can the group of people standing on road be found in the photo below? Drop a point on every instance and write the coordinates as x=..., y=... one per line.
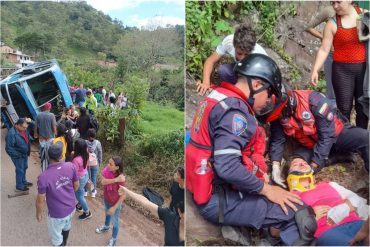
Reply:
x=232, y=186
x=71, y=158
x=96, y=97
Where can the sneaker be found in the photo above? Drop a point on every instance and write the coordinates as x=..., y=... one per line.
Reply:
x=234, y=234
x=102, y=229
x=93, y=194
x=78, y=207
x=85, y=216
x=112, y=242
x=28, y=184
x=85, y=194
x=22, y=190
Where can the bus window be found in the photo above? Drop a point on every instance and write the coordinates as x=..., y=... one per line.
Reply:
x=18, y=102
x=44, y=89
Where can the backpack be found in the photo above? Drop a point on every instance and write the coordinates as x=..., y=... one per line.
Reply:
x=153, y=196
x=92, y=161
x=94, y=122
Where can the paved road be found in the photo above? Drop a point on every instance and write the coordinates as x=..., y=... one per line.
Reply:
x=20, y=227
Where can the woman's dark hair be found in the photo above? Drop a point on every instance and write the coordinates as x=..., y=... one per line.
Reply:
x=82, y=111
x=118, y=162
x=20, y=121
x=69, y=124
x=180, y=170
x=81, y=150
x=91, y=133
x=180, y=205
x=112, y=99
x=63, y=131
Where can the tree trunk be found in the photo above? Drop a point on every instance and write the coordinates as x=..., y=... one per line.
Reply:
x=121, y=130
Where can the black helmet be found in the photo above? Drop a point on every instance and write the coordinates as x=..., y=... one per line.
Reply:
x=263, y=67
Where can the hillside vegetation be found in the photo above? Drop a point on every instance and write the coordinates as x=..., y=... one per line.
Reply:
x=146, y=64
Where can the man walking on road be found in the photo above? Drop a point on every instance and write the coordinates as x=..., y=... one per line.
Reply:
x=45, y=130
x=57, y=184
x=18, y=148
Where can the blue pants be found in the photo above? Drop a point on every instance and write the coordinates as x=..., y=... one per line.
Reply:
x=81, y=191
x=115, y=218
x=21, y=166
x=93, y=173
x=226, y=73
x=252, y=211
x=353, y=140
x=340, y=235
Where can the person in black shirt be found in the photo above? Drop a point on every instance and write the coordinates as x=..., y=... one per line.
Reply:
x=174, y=233
x=83, y=123
x=177, y=188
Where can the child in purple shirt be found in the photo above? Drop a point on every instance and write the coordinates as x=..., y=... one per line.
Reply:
x=57, y=184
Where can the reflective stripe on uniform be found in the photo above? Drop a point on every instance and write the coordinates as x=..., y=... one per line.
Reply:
x=224, y=105
x=216, y=95
x=228, y=151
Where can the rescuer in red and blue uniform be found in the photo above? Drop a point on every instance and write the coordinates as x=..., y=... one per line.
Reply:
x=235, y=190
x=314, y=122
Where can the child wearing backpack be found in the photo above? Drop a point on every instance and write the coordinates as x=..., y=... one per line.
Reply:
x=112, y=178
x=95, y=158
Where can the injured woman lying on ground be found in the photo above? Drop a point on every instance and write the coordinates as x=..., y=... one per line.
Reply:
x=339, y=212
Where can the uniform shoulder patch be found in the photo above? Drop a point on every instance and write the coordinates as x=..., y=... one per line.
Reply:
x=240, y=124
x=324, y=109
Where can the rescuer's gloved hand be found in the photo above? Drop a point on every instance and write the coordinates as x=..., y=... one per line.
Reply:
x=276, y=174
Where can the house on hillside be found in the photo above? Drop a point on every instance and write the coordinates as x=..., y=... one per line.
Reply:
x=14, y=56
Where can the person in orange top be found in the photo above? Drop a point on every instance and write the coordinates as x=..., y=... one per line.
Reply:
x=349, y=57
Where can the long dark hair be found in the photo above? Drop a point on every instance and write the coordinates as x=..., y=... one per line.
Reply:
x=81, y=150
x=118, y=162
x=63, y=131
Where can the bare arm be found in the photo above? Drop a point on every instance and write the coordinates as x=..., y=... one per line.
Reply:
x=315, y=33
x=323, y=52
x=40, y=202
x=153, y=208
x=115, y=206
x=207, y=71
x=76, y=185
x=35, y=133
x=106, y=181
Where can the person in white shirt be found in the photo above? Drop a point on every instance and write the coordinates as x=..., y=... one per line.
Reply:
x=237, y=45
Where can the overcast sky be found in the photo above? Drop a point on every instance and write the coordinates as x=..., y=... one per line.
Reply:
x=139, y=13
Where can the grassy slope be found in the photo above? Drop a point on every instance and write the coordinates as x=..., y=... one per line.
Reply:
x=160, y=119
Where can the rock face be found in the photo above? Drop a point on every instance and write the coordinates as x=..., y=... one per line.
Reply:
x=197, y=228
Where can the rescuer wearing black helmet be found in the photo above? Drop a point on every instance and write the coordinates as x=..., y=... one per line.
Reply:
x=225, y=168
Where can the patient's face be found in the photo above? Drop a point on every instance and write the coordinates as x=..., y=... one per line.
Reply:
x=299, y=165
